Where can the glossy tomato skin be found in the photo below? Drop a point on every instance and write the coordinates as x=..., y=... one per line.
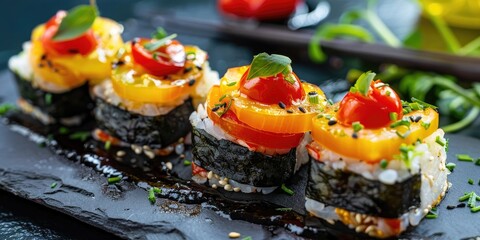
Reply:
x=160, y=65
x=372, y=111
x=272, y=90
x=258, y=9
x=84, y=44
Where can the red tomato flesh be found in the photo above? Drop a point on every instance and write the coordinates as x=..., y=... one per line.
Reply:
x=272, y=90
x=253, y=137
x=83, y=44
x=170, y=58
x=372, y=111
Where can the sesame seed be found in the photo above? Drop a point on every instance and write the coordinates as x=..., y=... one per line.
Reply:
x=417, y=119
x=354, y=135
x=450, y=207
x=214, y=186
x=312, y=93
x=282, y=105
x=149, y=153
x=302, y=109
x=215, y=108
x=228, y=187
x=237, y=189
x=210, y=175
x=191, y=82
x=169, y=165
x=234, y=235
x=461, y=205
x=332, y=122
x=289, y=111
x=120, y=153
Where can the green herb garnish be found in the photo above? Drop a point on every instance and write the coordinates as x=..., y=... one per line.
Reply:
x=82, y=136
x=265, y=65
x=157, y=190
x=423, y=104
x=77, y=22
x=439, y=141
x=477, y=162
x=53, y=185
x=393, y=116
x=450, y=166
x=475, y=209
x=154, y=45
x=63, y=130
x=464, y=157
x=113, y=180
x=402, y=122
x=357, y=126
x=187, y=163
x=470, y=181
x=313, y=97
x=151, y=196
x=383, y=163
x=48, y=98
x=231, y=84
x=425, y=125
x=5, y=108
x=283, y=209
x=363, y=83
x=159, y=33
x=431, y=215
x=287, y=190
x=107, y=145
x=247, y=238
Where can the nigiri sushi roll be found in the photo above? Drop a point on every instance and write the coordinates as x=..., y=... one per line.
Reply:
x=55, y=67
x=377, y=163
x=246, y=136
x=148, y=100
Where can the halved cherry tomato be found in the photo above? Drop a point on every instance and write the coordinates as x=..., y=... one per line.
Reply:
x=168, y=59
x=296, y=118
x=373, y=110
x=372, y=145
x=83, y=44
x=253, y=137
x=258, y=9
x=132, y=81
x=273, y=89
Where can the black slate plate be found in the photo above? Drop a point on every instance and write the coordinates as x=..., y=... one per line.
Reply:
x=184, y=210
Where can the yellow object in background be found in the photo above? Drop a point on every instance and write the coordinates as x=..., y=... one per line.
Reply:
x=458, y=13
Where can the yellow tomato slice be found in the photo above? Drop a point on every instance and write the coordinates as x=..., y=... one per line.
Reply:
x=271, y=118
x=373, y=145
x=68, y=71
x=132, y=82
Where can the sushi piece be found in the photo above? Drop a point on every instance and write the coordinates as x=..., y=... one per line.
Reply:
x=246, y=136
x=149, y=98
x=377, y=163
x=54, y=69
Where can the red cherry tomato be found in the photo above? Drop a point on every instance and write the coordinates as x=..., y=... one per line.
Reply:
x=84, y=44
x=170, y=58
x=372, y=111
x=272, y=90
x=258, y=9
x=253, y=137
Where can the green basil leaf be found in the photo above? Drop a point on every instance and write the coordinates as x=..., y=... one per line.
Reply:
x=152, y=46
x=159, y=33
x=265, y=65
x=77, y=22
x=363, y=82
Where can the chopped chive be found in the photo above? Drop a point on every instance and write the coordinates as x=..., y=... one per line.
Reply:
x=231, y=84
x=287, y=190
x=439, y=141
x=388, y=92
x=450, y=166
x=157, y=190
x=155, y=56
x=423, y=104
x=357, y=126
x=470, y=181
x=425, y=125
x=48, y=98
x=431, y=215
x=465, y=197
x=53, y=185
x=63, y=130
x=151, y=196
x=332, y=122
x=286, y=209
x=329, y=101
x=472, y=200
x=383, y=163
x=403, y=136
x=302, y=109
x=187, y=163
x=477, y=162
x=226, y=108
x=393, y=116
x=464, y=158
x=5, y=108
x=313, y=97
x=107, y=145
x=113, y=180
x=154, y=45
x=247, y=238
x=415, y=106
x=475, y=209
x=222, y=97
x=82, y=136
x=402, y=122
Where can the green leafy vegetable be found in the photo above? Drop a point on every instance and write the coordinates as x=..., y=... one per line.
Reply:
x=77, y=22
x=265, y=65
x=363, y=83
x=159, y=33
